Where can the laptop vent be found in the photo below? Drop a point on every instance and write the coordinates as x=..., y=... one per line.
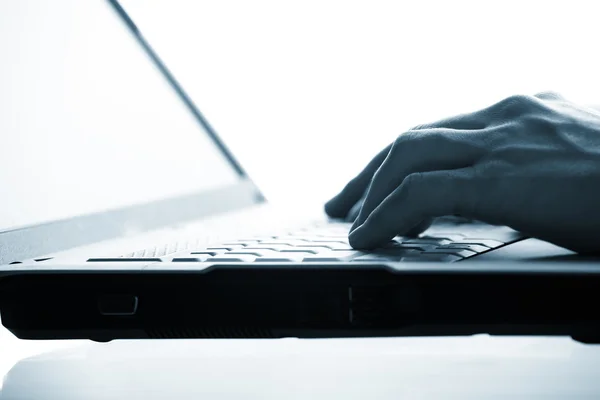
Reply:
x=209, y=333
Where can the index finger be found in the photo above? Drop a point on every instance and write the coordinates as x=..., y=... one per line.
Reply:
x=421, y=151
x=339, y=206
x=421, y=196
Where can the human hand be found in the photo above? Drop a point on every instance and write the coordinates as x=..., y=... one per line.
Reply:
x=528, y=162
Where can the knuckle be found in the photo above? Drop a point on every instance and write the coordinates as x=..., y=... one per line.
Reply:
x=516, y=105
x=501, y=134
x=423, y=137
x=406, y=137
x=407, y=188
x=412, y=182
x=440, y=137
x=536, y=123
x=402, y=141
x=520, y=99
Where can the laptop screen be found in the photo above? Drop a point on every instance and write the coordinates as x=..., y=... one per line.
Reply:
x=88, y=123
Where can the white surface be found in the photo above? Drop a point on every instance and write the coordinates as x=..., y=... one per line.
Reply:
x=12, y=349
x=416, y=368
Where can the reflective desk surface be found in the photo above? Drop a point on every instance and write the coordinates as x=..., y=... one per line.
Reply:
x=478, y=367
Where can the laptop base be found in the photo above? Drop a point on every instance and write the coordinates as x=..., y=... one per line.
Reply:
x=303, y=301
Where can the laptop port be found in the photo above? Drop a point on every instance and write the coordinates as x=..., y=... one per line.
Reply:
x=118, y=304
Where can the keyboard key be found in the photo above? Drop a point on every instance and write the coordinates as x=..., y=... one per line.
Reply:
x=473, y=247
x=327, y=245
x=337, y=236
x=189, y=259
x=286, y=238
x=279, y=248
x=225, y=248
x=244, y=243
x=277, y=259
x=429, y=257
x=457, y=252
x=259, y=247
x=481, y=242
x=427, y=240
x=205, y=253
x=233, y=259
x=321, y=240
x=343, y=248
x=308, y=246
x=297, y=253
x=327, y=240
x=408, y=246
x=396, y=252
x=253, y=253
x=447, y=236
x=324, y=259
x=124, y=259
x=246, y=253
x=300, y=252
x=334, y=256
x=283, y=242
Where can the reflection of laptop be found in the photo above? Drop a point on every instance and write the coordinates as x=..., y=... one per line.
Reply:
x=129, y=218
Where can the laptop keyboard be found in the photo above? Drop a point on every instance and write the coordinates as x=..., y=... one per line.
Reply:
x=328, y=242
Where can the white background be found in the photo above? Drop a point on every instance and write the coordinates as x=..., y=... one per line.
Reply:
x=305, y=92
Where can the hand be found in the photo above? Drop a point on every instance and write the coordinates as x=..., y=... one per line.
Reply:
x=528, y=162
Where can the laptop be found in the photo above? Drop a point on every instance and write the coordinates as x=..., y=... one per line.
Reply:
x=107, y=234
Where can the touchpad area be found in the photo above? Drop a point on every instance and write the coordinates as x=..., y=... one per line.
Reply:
x=533, y=250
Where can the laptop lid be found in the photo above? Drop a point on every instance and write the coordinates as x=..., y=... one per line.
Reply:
x=98, y=139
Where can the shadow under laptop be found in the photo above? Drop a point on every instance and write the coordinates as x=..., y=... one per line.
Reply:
x=476, y=367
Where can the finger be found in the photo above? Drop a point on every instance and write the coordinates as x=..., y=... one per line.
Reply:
x=421, y=151
x=353, y=213
x=340, y=205
x=416, y=231
x=419, y=228
x=420, y=197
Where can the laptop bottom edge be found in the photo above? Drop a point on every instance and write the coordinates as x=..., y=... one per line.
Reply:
x=315, y=302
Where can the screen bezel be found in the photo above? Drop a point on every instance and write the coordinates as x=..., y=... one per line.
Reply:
x=42, y=239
